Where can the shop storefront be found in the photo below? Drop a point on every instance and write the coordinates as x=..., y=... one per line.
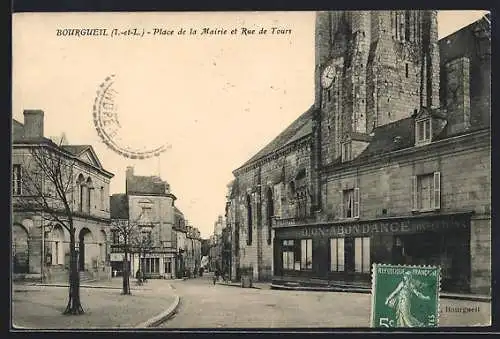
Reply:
x=116, y=260
x=343, y=252
x=155, y=265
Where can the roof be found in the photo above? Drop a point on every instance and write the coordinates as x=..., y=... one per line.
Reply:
x=118, y=206
x=298, y=129
x=178, y=211
x=384, y=139
x=463, y=41
x=484, y=19
x=18, y=135
x=75, y=149
x=146, y=185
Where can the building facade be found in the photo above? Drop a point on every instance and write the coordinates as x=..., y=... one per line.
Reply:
x=180, y=229
x=193, y=251
x=40, y=243
x=390, y=165
x=151, y=209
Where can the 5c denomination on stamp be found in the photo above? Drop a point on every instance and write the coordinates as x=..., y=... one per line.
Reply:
x=405, y=296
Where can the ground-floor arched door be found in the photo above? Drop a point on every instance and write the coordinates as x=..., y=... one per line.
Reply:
x=20, y=249
x=84, y=237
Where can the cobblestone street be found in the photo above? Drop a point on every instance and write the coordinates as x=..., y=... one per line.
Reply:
x=204, y=305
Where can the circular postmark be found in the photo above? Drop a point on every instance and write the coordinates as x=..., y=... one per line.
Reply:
x=109, y=129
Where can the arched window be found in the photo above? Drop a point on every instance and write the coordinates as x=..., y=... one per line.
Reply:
x=80, y=182
x=90, y=190
x=249, y=219
x=270, y=213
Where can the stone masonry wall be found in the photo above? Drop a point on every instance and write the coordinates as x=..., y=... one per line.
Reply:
x=277, y=173
x=465, y=186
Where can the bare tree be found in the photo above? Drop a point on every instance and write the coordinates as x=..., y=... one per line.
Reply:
x=48, y=187
x=126, y=230
x=142, y=243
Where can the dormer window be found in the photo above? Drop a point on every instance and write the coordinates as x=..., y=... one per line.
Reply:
x=423, y=131
x=346, y=149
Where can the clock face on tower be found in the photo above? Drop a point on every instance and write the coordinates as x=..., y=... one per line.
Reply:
x=327, y=77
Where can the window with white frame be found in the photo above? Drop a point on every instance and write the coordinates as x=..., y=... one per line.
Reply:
x=288, y=254
x=337, y=254
x=306, y=254
x=362, y=255
x=349, y=203
x=426, y=191
x=346, y=149
x=423, y=133
x=17, y=180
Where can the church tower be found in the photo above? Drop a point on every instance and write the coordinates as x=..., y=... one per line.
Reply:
x=372, y=68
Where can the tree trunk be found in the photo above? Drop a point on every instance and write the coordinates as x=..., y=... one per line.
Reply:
x=126, y=281
x=74, y=306
x=141, y=273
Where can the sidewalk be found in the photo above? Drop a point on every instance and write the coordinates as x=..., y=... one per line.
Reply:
x=443, y=295
x=256, y=285
x=41, y=307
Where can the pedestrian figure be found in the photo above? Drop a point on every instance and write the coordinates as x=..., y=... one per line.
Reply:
x=216, y=275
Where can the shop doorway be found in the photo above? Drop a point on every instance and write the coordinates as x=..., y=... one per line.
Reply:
x=448, y=250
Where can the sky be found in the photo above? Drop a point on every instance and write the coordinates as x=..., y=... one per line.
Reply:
x=214, y=99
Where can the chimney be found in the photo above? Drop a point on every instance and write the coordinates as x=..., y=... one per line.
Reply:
x=33, y=123
x=457, y=97
x=129, y=173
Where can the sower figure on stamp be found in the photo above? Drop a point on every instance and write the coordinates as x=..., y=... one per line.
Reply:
x=400, y=300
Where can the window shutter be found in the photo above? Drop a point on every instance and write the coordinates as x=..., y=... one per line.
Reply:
x=356, y=202
x=341, y=204
x=414, y=193
x=437, y=190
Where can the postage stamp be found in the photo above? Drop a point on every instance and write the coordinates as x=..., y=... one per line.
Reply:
x=405, y=296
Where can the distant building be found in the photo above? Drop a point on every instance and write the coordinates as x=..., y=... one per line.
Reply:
x=151, y=207
x=41, y=246
x=180, y=229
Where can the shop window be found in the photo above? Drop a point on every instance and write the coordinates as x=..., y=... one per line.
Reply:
x=423, y=131
x=151, y=265
x=168, y=267
x=349, y=203
x=362, y=255
x=306, y=254
x=426, y=192
x=337, y=254
x=288, y=254
x=17, y=180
